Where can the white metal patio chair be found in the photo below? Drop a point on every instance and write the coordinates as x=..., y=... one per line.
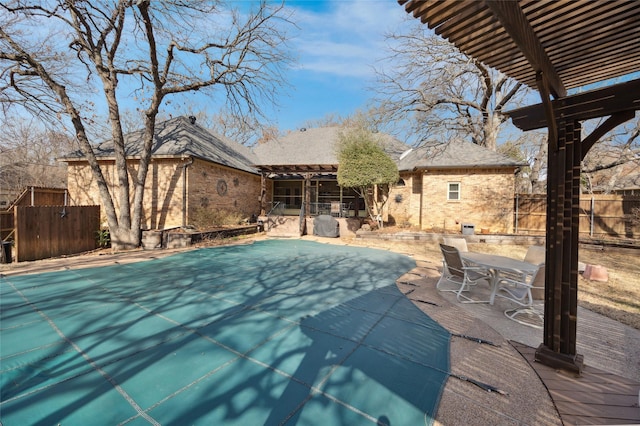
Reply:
x=336, y=209
x=522, y=289
x=462, y=276
x=457, y=242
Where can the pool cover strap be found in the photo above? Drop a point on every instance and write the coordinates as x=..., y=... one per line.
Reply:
x=484, y=386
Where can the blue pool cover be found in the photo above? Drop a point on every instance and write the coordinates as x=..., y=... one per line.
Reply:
x=276, y=332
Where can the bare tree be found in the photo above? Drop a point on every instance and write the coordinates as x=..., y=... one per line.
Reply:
x=371, y=119
x=52, y=53
x=240, y=128
x=329, y=120
x=530, y=148
x=615, y=160
x=442, y=92
x=28, y=156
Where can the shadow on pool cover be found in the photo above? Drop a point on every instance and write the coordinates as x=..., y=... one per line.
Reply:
x=270, y=333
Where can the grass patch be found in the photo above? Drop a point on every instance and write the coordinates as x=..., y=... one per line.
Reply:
x=618, y=299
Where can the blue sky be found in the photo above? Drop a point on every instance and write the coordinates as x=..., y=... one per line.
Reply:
x=337, y=44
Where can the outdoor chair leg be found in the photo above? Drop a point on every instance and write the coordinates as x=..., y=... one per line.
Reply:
x=513, y=313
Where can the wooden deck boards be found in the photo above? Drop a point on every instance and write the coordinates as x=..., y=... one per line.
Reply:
x=595, y=397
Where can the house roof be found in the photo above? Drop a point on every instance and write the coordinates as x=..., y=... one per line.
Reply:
x=178, y=137
x=454, y=154
x=316, y=146
x=306, y=150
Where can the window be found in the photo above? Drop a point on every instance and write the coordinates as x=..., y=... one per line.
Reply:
x=453, y=193
x=416, y=186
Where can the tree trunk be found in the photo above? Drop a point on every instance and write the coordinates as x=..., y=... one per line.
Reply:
x=124, y=239
x=491, y=129
x=538, y=186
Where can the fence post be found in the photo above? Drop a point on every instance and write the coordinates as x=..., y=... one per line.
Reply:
x=593, y=207
x=516, y=213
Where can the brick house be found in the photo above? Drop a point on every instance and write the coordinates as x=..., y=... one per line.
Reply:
x=444, y=186
x=441, y=185
x=302, y=166
x=191, y=169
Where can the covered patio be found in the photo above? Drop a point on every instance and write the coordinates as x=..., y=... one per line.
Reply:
x=311, y=185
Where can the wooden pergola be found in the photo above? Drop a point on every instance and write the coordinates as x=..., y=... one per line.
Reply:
x=553, y=46
x=305, y=171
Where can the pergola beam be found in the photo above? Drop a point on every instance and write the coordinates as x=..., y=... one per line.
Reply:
x=583, y=106
x=612, y=122
x=518, y=27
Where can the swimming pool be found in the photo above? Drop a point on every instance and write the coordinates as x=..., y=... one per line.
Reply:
x=274, y=332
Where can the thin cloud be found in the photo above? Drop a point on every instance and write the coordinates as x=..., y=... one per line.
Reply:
x=343, y=39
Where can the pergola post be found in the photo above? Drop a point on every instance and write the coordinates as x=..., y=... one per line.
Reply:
x=532, y=42
x=263, y=193
x=307, y=195
x=558, y=349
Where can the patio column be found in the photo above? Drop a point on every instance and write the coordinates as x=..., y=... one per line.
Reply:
x=263, y=193
x=558, y=349
x=307, y=194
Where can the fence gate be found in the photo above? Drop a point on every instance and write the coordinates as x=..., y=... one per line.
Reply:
x=42, y=232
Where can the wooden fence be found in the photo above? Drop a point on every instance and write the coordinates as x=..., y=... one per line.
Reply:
x=6, y=224
x=601, y=215
x=43, y=232
x=38, y=196
x=31, y=196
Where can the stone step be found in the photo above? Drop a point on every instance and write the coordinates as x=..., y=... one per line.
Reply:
x=281, y=226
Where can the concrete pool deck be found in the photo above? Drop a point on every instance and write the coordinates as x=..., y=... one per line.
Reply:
x=528, y=400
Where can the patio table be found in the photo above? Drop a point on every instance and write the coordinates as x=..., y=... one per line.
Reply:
x=496, y=264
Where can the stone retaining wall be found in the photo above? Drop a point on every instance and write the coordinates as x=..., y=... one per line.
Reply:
x=525, y=240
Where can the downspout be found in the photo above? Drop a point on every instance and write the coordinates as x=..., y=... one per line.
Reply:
x=421, y=221
x=184, y=190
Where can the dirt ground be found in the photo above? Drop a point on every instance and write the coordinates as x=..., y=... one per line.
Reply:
x=618, y=298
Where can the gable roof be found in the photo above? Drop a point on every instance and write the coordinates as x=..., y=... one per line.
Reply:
x=314, y=146
x=454, y=154
x=178, y=137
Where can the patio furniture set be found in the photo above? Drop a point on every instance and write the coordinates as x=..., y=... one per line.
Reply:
x=519, y=281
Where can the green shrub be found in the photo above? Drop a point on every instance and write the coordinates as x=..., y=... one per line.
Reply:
x=104, y=238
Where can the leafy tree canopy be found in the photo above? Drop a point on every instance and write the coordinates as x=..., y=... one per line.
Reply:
x=364, y=166
x=362, y=162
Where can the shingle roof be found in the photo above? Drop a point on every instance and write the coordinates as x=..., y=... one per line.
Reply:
x=178, y=137
x=314, y=146
x=454, y=154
